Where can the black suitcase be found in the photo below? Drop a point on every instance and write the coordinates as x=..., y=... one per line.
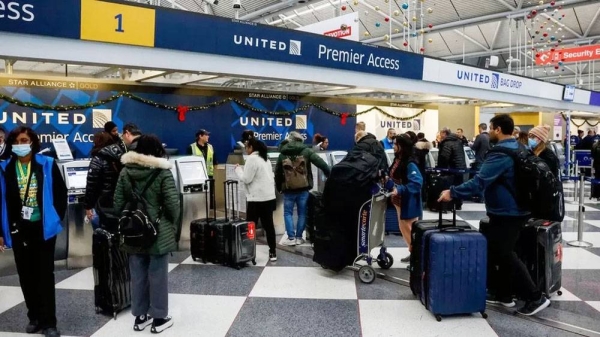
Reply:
x=241, y=234
x=437, y=183
x=314, y=213
x=200, y=233
x=419, y=228
x=112, y=288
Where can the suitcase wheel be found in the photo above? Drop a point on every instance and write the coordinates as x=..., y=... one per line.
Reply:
x=559, y=293
x=438, y=318
x=254, y=262
x=484, y=315
x=193, y=259
x=366, y=274
x=385, y=262
x=115, y=315
x=98, y=310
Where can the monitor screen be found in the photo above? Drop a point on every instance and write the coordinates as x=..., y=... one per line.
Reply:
x=338, y=158
x=76, y=177
x=470, y=153
x=192, y=172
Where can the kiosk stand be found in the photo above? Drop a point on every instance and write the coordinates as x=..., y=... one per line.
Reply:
x=192, y=184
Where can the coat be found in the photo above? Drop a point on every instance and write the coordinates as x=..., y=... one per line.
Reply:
x=258, y=179
x=451, y=153
x=370, y=144
x=162, y=198
x=296, y=148
x=103, y=175
x=51, y=196
x=410, y=193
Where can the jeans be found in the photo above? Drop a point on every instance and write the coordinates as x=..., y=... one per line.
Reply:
x=263, y=211
x=505, y=269
x=300, y=199
x=149, y=285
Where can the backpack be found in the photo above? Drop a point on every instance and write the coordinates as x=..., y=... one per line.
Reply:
x=358, y=168
x=295, y=170
x=537, y=188
x=135, y=227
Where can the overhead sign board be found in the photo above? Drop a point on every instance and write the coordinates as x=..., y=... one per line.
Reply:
x=569, y=55
x=569, y=93
x=343, y=27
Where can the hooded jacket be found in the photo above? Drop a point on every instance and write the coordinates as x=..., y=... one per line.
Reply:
x=51, y=196
x=451, y=153
x=371, y=145
x=297, y=148
x=421, y=151
x=102, y=176
x=161, y=197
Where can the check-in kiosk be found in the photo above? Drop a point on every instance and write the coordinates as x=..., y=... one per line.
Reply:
x=336, y=157
x=77, y=234
x=192, y=186
x=319, y=177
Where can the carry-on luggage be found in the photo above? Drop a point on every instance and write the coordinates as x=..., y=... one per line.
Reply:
x=391, y=220
x=240, y=234
x=454, y=268
x=540, y=249
x=112, y=289
x=314, y=213
x=200, y=232
x=437, y=183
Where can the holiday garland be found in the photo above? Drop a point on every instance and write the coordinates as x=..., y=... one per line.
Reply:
x=585, y=121
x=182, y=110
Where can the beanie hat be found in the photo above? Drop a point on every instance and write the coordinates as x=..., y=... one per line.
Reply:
x=541, y=132
x=109, y=126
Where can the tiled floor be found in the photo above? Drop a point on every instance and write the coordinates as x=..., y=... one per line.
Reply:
x=296, y=297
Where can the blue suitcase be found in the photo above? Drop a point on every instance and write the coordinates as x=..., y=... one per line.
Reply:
x=391, y=220
x=455, y=269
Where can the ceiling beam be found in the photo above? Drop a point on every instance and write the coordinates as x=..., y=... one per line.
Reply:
x=507, y=5
x=495, y=38
x=520, y=5
x=592, y=22
x=186, y=79
x=560, y=24
x=270, y=10
x=107, y=72
x=143, y=75
x=472, y=40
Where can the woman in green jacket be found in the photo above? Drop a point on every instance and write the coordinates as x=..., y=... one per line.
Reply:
x=149, y=267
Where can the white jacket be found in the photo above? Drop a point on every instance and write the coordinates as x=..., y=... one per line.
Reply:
x=258, y=178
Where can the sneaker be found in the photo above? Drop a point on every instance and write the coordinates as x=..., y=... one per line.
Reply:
x=299, y=241
x=272, y=257
x=142, y=322
x=33, y=327
x=491, y=299
x=533, y=307
x=405, y=260
x=51, y=332
x=289, y=242
x=161, y=324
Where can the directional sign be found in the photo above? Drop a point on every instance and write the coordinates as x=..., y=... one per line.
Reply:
x=568, y=55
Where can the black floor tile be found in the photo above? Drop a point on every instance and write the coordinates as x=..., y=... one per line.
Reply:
x=59, y=276
x=576, y=313
x=584, y=284
x=383, y=290
x=213, y=280
x=285, y=259
x=509, y=326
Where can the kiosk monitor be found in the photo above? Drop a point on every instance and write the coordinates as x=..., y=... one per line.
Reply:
x=76, y=177
x=192, y=173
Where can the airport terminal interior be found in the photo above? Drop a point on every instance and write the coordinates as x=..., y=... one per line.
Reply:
x=174, y=67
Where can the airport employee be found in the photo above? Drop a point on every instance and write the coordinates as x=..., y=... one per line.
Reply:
x=202, y=148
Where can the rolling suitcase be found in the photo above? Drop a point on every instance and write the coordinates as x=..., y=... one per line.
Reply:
x=200, y=233
x=419, y=228
x=314, y=213
x=241, y=236
x=391, y=220
x=112, y=288
x=437, y=184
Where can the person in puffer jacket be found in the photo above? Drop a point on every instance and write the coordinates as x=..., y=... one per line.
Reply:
x=149, y=266
x=102, y=178
x=452, y=156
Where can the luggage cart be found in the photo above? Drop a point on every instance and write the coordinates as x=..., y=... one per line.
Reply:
x=371, y=233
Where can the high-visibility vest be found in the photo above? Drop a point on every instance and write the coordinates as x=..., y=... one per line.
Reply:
x=209, y=157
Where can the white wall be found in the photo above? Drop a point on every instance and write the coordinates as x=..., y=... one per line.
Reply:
x=378, y=124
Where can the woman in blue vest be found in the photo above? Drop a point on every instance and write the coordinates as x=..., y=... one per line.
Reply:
x=34, y=200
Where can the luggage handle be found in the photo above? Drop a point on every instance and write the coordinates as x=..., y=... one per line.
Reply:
x=233, y=197
x=207, y=191
x=441, y=207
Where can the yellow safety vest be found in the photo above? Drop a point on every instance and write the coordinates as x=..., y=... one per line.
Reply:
x=209, y=157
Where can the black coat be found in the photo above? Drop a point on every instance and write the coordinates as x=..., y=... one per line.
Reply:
x=371, y=145
x=451, y=153
x=103, y=176
x=550, y=158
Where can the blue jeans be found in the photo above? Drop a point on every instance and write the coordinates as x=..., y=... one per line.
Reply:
x=300, y=200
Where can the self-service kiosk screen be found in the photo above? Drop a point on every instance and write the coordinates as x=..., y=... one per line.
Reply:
x=470, y=153
x=338, y=158
x=192, y=173
x=76, y=177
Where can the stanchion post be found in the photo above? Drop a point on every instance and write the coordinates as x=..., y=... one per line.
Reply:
x=576, y=171
x=580, y=215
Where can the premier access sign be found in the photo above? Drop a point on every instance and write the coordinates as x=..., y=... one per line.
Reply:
x=569, y=55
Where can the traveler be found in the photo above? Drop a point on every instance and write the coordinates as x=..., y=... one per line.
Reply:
x=481, y=146
x=409, y=182
x=516, y=132
x=451, y=155
x=102, y=175
x=461, y=136
x=587, y=142
x=149, y=266
x=523, y=138
x=131, y=134
x=507, y=219
x=34, y=200
x=293, y=178
x=257, y=176
x=538, y=140
x=368, y=143
x=4, y=149
x=388, y=141
x=202, y=148
x=247, y=135
x=321, y=143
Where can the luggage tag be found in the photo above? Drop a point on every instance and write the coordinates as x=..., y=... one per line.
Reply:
x=26, y=212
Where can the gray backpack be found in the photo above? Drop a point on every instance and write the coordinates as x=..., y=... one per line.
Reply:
x=295, y=170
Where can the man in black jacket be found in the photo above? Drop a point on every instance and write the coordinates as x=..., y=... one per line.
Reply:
x=368, y=143
x=461, y=136
x=481, y=146
x=452, y=156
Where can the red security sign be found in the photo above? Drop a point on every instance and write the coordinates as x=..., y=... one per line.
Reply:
x=568, y=55
x=339, y=32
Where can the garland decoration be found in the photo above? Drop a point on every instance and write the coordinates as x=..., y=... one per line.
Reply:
x=182, y=110
x=585, y=121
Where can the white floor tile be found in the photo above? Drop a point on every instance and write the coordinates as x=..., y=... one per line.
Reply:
x=172, y=266
x=591, y=237
x=194, y=315
x=427, y=215
x=579, y=258
x=474, y=223
x=594, y=304
x=84, y=280
x=397, y=253
x=568, y=218
x=9, y=297
x=473, y=207
x=298, y=282
x=262, y=257
x=410, y=318
x=566, y=296
x=595, y=223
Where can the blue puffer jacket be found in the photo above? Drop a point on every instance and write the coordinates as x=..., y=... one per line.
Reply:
x=497, y=171
x=410, y=193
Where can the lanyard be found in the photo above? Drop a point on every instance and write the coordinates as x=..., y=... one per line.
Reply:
x=23, y=174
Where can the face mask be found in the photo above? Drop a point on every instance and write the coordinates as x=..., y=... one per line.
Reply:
x=21, y=150
x=532, y=143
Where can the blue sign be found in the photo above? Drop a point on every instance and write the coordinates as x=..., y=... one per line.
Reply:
x=583, y=158
x=575, y=140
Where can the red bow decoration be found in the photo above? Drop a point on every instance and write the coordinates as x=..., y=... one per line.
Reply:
x=344, y=118
x=182, y=110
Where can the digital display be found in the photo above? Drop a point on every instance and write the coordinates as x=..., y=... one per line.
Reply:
x=569, y=93
x=470, y=153
x=192, y=172
x=76, y=177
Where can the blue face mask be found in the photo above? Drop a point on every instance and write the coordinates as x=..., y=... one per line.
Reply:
x=533, y=143
x=21, y=150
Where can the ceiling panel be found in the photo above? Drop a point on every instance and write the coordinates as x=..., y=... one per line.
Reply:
x=473, y=8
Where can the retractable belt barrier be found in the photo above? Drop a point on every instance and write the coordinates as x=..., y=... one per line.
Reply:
x=581, y=179
x=449, y=170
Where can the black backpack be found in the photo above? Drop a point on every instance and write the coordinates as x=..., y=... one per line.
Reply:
x=135, y=227
x=358, y=168
x=537, y=188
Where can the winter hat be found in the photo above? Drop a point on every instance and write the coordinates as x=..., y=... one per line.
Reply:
x=541, y=132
